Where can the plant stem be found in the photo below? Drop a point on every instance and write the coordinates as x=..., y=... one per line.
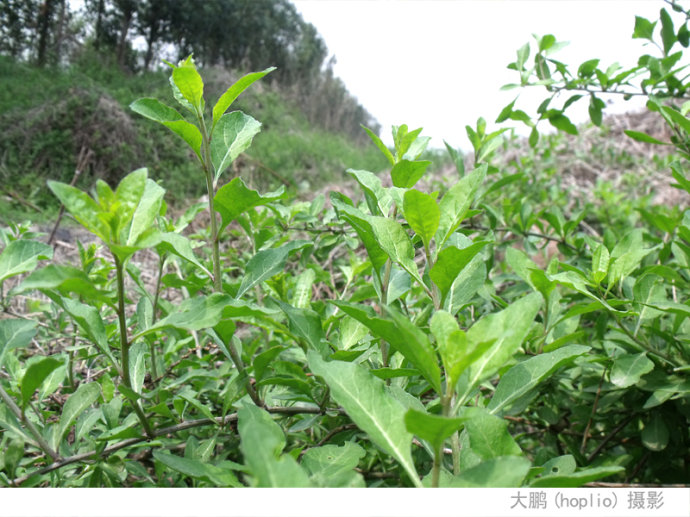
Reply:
x=183, y=426
x=125, y=344
x=30, y=426
x=208, y=171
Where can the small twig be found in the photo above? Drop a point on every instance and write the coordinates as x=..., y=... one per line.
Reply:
x=189, y=424
x=585, y=435
x=608, y=438
x=639, y=466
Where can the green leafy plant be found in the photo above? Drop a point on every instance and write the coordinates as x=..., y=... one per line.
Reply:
x=405, y=336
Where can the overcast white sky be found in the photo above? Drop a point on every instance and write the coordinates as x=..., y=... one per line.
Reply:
x=439, y=64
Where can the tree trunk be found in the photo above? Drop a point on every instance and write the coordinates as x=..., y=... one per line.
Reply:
x=127, y=16
x=44, y=18
x=99, y=24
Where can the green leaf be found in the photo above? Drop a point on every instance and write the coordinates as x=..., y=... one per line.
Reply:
x=302, y=292
x=306, y=324
x=525, y=376
x=377, y=198
x=332, y=466
x=576, y=479
x=262, y=442
x=561, y=122
x=35, y=375
x=359, y=222
x=457, y=355
x=450, y=263
x=148, y=206
x=392, y=238
x=370, y=406
x=422, y=214
x=406, y=173
x=235, y=198
x=201, y=312
x=190, y=84
x=232, y=135
x=432, y=428
x=85, y=395
x=600, y=263
x=596, y=106
x=501, y=472
x=507, y=330
x=456, y=202
x=379, y=143
x=64, y=279
x=155, y=110
x=628, y=368
x=137, y=365
x=402, y=335
x=655, y=434
x=219, y=477
x=668, y=34
x=676, y=117
x=89, y=320
x=226, y=100
x=176, y=244
x=488, y=434
x=267, y=263
x=560, y=466
x=83, y=208
x=21, y=256
x=644, y=29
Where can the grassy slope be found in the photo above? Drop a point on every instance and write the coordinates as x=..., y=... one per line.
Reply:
x=49, y=116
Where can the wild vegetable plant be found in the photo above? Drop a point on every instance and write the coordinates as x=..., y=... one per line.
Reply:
x=404, y=336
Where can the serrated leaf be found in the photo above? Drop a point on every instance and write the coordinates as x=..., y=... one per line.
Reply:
x=370, y=406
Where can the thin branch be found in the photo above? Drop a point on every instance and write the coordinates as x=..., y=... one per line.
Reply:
x=608, y=438
x=189, y=424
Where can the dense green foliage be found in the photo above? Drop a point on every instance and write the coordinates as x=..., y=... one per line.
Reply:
x=405, y=336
